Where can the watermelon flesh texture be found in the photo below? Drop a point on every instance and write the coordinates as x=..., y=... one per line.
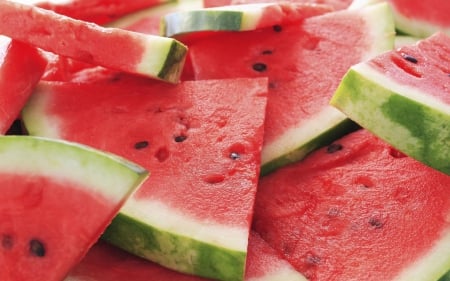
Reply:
x=105, y=262
x=358, y=210
x=56, y=204
x=21, y=68
x=199, y=200
x=421, y=18
x=335, y=4
x=97, y=11
x=409, y=98
x=147, y=55
x=298, y=118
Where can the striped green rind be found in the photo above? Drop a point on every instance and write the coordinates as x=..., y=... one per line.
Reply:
x=415, y=123
x=169, y=248
x=108, y=174
x=173, y=65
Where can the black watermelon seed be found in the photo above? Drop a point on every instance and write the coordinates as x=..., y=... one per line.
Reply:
x=180, y=138
x=7, y=241
x=260, y=67
x=235, y=155
x=334, y=147
x=376, y=223
x=277, y=28
x=409, y=58
x=37, y=248
x=141, y=144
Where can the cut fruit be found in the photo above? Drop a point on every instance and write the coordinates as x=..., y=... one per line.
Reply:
x=358, y=210
x=149, y=55
x=299, y=118
x=237, y=17
x=403, y=97
x=21, y=68
x=201, y=140
x=58, y=197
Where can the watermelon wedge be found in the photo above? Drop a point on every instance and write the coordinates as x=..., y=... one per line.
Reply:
x=237, y=17
x=58, y=198
x=149, y=55
x=21, y=68
x=402, y=96
x=108, y=263
x=201, y=140
x=97, y=11
x=358, y=209
x=335, y=4
x=299, y=118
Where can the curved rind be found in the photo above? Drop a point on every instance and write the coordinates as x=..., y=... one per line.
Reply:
x=105, y=173
x=192, y=256
x=413, y=122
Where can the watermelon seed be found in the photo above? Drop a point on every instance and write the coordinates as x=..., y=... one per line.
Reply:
x=235, y=155
x=409, y=58
x=376, y=223
x=260, y=67
x=180, y=138
x=141, y=144
x=334, y=147
x=37, y=248
x=7, y=241
x=277, y=28
x=267, y=52
x=215, y=178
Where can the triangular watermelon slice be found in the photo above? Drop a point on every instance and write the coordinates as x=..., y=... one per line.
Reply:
x=57, y=199
x=358, y=210
x=403, y=97
x=304, y=63
x=201, y=140
x=21, y=68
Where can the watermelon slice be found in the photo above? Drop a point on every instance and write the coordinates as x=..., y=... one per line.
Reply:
x=149, y=55
x=403, y=97
x=201, y=140
x=237, y=17
x=97, y=11
x=58, y=198
x=107, y=263
x=21, y=68
x=335, y=4
x=358, y=210
x=421, y=18
x=299, y=118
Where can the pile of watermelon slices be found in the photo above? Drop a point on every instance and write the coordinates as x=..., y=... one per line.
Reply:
x=224, y=140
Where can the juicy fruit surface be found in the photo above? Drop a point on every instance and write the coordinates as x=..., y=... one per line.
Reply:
x=408, y=97
x=294, y=58
x=356, y=206
x=165, y=136
x=43, y=231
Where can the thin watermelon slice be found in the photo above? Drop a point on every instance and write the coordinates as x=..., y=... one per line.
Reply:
x=108, y=263
x=202, y=141
x=149, y=55
x=358, y=210
x=403, y=97
x=299, y=118
x=21, y=68
x=237, y=17
x=58, y=198
x=96, y=11
x=335, y=4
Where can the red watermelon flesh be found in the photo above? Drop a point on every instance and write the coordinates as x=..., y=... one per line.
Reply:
x=105, y=262
x=56, y=204
x=304, y=63
x=97, y=11
x=358, y=210
x=21, y=68
x=148, y=55
x=202, y=141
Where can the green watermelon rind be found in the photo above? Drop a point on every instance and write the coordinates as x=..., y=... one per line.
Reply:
x=413, y=122
x=114, y=177
x=173, y=249
x=299, y=142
